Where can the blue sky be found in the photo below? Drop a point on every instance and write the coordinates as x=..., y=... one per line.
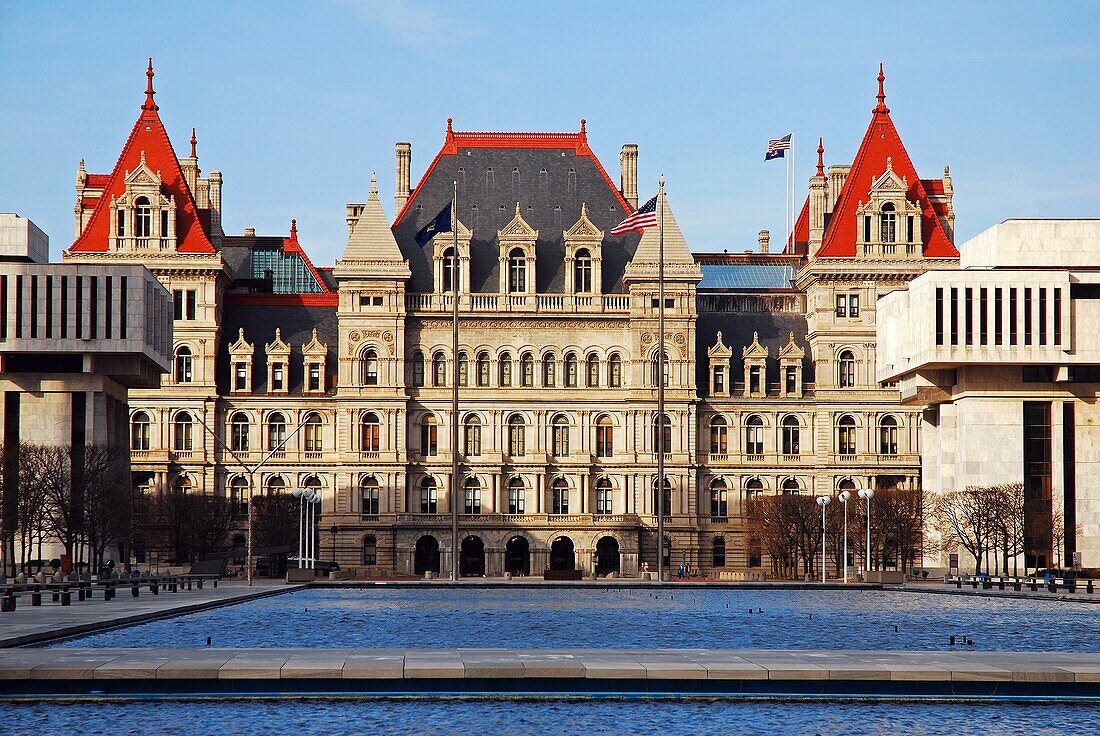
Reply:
x=297, y=103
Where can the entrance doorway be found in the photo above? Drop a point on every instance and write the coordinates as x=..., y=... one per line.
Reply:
x=607, y=555
x=562, y=556
x=427, y=555
x=517, y=556
x=473, y=558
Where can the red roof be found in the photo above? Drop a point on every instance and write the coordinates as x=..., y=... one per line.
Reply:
x=150, y=138
x=879, y=143
x=578, y=142
x=801, y=232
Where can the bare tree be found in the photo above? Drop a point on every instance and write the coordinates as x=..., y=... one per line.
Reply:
x=107, y=489
x=770, y=527
x=275, y=524
x=32, y=501
x=967, y=519
x=899, y=520
x=63, y=515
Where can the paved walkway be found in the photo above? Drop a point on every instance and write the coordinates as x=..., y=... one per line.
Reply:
x=1025, y=593
x=106, y=672
x=33, y=624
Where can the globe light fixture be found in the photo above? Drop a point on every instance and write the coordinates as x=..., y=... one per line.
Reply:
x=867, y=494
x=823, y=501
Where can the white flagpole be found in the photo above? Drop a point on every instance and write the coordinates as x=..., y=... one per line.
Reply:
x=794, y=199
x=787, y=197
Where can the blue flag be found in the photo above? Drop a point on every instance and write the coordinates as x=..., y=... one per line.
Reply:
x=777, y=146
x=441, y=223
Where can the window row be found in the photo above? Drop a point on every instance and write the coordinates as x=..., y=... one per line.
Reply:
x=790, y=437
x=520, y=270
x=982, y=315
x=527, y=372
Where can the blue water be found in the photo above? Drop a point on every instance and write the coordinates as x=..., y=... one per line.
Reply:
x=609, y=618
x=605, y=717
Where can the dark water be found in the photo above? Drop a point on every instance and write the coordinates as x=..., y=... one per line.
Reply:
x=604, y=618
x=605, y=717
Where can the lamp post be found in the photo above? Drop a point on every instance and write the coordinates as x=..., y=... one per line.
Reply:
x=314, y=501
x=867, y=494
x=823, y=501
x=300, y=494
x=844, y=496
x=335, y=530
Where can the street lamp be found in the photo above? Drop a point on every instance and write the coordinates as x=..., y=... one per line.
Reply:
x=308, y=498
x=867, y=494
x=335, y=530
x=823, y=501
x=844, y=496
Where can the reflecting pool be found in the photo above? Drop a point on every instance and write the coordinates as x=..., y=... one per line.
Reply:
x=611, y=617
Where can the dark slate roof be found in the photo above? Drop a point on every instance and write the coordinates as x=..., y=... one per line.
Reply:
x=747, y=275
x=737, y=329
x=328, y=278
x=549, y=183
x=259, y=322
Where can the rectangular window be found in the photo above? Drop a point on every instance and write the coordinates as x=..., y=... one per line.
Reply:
x=49, y=306
x=177, y=304
x=93, y=312
x=277, y=377
x=4, y=307
x=754, y=379
x=78, y=312
x=909, y=230
x=719, y=379
x=1027, y=316
x=939, y=315
x=841, y=306
x=1012, y=318
x=516, y=500
x=1038, y=452
x=108, y=307
x=191, y=304
x=983, y=316
x=1042, y=316
x=998, y=322
x=853, y=305
x=791, y=379
x=18, y=307
x=64, y=316
x=954, y=316
x=1057, y=316
x=968, y=314
x=314, y=376
x=122, y=304
x=34, y=306
x=866, y=229
x=240, y=376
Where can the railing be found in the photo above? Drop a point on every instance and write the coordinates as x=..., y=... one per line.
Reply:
x=754, y=458
x=368, y=517
x=520, y=519
x=183, y=454
x=587, y=303
x=278, y=454
x=313, y=454
x=369, y=455
x=786, y=458
x=719, y=457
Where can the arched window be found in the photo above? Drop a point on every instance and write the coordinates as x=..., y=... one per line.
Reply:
x=472, y=489
x=560, y=440
x=888, y=225
x=719, y=506
x=614, y=371
x=571, y=370
x=275, y=485
x=182, y=426
x=791, y=436
x=517, y=495
x=582, y=271
x=527, y=370
x=846, y=370
x=183, y=365
x=238, y=495
x=662, y=434
x=754, y=488
x=605, y=437
x=368, y=496
x=593, y=371
x=754, y=436
x=418, y=368
x=140, y=431
x=517, y=436
x=790, y=487
x=450, y=270
x=143, y=218
x=560, y=496
x=667, y=495
x=238, y=439
x=429, y=436
x=517, y=271
x=483, y=369
x=655, y=368
x=429, y=501
x=463, y=370
x=888, y=436
x=718, y=558
x=719, y=444
x=439, y=370
x=313, y=483
x=370, y=430
x=313, y=431
x=846, y=436
x=846, y=485
x=276, y=431
x=370, y=550
x=368, y=368
x=505, y=377
x=603, y=497
x=182, y=484
x=471, y=444
x=549, y=369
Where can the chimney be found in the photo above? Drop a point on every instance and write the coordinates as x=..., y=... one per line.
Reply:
x=215, y=195
x=250, y=232
x=764, y=239
x=837, y=175
x=401, y=191
x=628, y=182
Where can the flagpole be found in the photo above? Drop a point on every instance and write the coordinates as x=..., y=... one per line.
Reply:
x=455, y=281
x=791, y=195
x=661, y=384
x=787, y=199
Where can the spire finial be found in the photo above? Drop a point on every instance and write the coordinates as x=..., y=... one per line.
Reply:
x=373, y=185
x=820, y=160
x=584, y=209
x=881, y=107
x=293, y=229
x=450, y=130
x=661, y=181
x=517, y=209
x=583, y=124
x=194, y=141
x=149, y=104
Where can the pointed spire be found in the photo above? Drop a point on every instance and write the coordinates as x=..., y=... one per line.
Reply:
x=820, y=160
x=881, y=107
x=517, y=210
x=194, y=141
x=373, y=186
x=149, y=104
x=293, y=229
x=584, y=205
x=450, y=130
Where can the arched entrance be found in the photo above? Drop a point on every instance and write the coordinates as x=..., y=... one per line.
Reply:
x=562, y=556
x=607, y=555
x=427, y=555
x=517, y=556
x=473, y=557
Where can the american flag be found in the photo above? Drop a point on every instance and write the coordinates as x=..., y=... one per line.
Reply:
x=644, y=216
x=777, y=146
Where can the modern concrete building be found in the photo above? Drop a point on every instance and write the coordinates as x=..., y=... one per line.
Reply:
x=770, y=380
x=1002, y=356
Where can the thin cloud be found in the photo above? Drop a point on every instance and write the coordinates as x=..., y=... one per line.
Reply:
x=417, y=25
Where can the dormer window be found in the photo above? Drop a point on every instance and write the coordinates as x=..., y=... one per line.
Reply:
x=582, y=272
x=143, y=218
x=517, y=271
x=450, y=269
x=888, y=223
